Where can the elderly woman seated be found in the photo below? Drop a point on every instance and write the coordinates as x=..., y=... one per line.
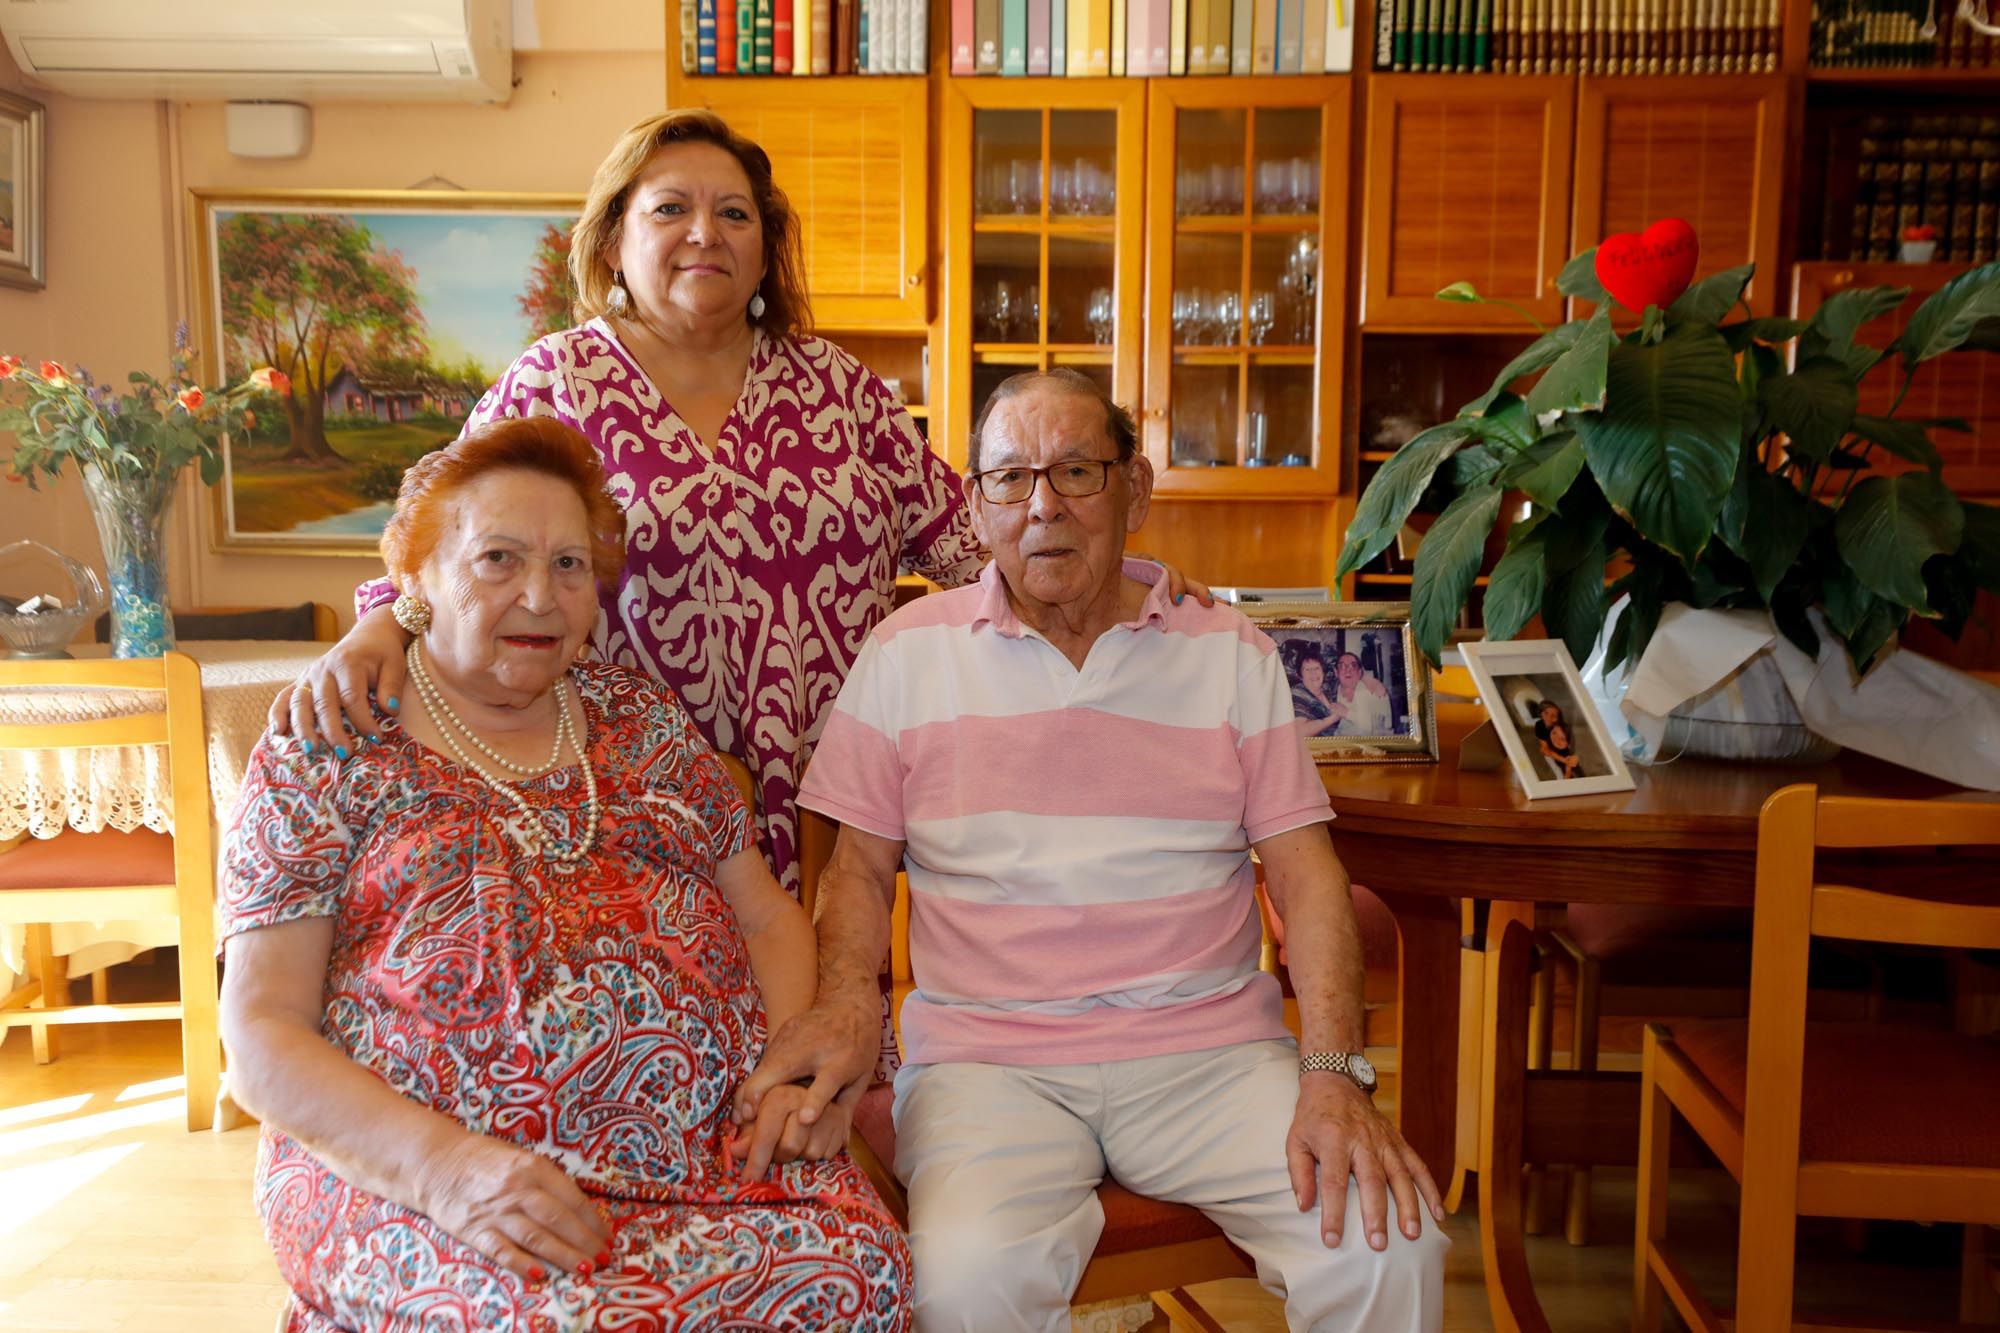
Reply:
x=493, y=980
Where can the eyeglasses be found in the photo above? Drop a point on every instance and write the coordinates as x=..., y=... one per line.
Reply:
x=1072, y=479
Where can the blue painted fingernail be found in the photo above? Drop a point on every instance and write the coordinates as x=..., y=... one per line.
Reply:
x=340, y=751
x=391, y=703
x=308, y=746
x=1177, y=598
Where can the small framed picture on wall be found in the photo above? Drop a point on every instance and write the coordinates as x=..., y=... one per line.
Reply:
x=1361, y=692
x=1549, y=728
x=23, y=204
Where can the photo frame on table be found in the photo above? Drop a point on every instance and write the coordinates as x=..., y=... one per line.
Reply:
x=1361, y=692
x=1552, y=733
x=437, y=291
x=23, y=201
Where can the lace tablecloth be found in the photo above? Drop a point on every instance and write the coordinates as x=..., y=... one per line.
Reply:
x=129, y=787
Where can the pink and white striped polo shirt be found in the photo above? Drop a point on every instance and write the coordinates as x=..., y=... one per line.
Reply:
x=1077, y=842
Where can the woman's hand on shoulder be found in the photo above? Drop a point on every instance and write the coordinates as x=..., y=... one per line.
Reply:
x=330, y=699
x=1179, y=585
x=517, y=1209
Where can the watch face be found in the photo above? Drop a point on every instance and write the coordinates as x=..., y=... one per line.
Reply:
x=1363, y=1070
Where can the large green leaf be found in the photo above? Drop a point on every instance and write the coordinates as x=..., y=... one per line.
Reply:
x=1863, y=620
x=1514, y=593
x=1394, y=491
x=1664, y=448
x=1579, y=278
x=1770, y=329
x=1447, y=563
x=1545, y=469
x=1576, y=380
x=1951, y=313
x=1814, y=405
x=1543, y=352
x=1905, y=439
x=1831, y=330
x=1980, y=546
x=1475, y=466
x=1573, y=607
x=1707, y=301
x=1890, y=525
x=1507, y=421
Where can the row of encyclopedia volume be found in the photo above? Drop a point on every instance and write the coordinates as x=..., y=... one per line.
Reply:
x=1151, y=38
x=1874, y=34
x=1577, y=36
x=805, y=37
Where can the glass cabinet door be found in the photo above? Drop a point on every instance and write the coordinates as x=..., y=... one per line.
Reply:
x=1043, y=269
x=1240, y=381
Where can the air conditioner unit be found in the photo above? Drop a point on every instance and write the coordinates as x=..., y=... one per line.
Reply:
x=296, y=50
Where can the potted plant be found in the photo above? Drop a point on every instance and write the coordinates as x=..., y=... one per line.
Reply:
x=1691, y=457
x=129, y=449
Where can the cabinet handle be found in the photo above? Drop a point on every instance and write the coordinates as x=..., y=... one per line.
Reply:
x=914, y=279
x=1844, y=278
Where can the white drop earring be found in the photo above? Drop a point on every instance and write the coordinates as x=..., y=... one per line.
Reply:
x=618, y=298
x=757, y=306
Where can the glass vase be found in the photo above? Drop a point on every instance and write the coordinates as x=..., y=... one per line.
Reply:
x=131, y=514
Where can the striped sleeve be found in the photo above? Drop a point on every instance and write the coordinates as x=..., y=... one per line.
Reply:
x=856, y=773
x=1282, y=790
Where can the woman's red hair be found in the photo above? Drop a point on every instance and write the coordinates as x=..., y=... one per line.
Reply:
x=531, y=444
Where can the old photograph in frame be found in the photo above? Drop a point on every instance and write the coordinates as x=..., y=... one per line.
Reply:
x=1361, y=692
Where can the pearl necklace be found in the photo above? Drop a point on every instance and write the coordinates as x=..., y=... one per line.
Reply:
x=534, y=836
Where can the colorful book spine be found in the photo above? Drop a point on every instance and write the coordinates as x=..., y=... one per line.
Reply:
x=1242, y=24
x=1197, y=37
x=690, y=38
x=1312, y=44
x=781, y=36
x=1159, y=37
x=1177, y=31
x=725, y=36
x=1100, y=37
x=986, y=27
x=802, y=38
x=863, y=12
x=746, y=36
x=961, y=37
x=705, y=36
x=1038, y=36
x=1264, y=40
x=1220, y=12
x=1122, y=19
x=1339, y=37
x=1399, y=35
x=1291, y=34
x=1482, y=36
x=1059, y=37
x=822, y=37
x=1079, y=39
x=1138, y=38
x=1013, y=37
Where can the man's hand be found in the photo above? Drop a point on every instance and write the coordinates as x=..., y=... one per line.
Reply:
x=1337, y=1132
x=834, y=1044
x=779, y=1135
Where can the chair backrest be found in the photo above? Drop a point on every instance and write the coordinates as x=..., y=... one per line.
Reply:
x=1939, y=902
x=178, y=726
x=306, y=622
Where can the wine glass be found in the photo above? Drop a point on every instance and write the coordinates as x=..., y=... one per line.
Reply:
x=1005, y=310
x=1228, y=317
x=1263, y=317
x=1100, y=315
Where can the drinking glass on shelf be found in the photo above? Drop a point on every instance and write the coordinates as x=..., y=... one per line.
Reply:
x=1263, y=315
x=1024, y=186
x=1225, y=187
x=1256, y=440
x=1062, y=188
x=1002, y=311
x=1305, y=185
x=1100, y=315
x=1028, y=325
x=1228, y=317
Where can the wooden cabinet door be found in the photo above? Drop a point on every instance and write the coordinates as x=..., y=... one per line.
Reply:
x=852, y=155
x=1958, y=384
x=1468, y=181
x=1246, y=202
x=1708, y=150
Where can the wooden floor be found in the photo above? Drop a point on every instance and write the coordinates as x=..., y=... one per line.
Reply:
x=113, y=1217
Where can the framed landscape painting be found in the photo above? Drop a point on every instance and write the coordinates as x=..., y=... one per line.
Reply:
x=391, y=312
x=23, y=211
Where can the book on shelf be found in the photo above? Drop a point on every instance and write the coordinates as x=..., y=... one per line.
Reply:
x=1159, y=36
x=1100, y=38
x=1312, y=45
x=1264, y=38
x=1291, y=34
x=725, y=36
x=690, y=37
x=1122, y=20
x=802, y=38
x=1941, y=171
x=961, y=37
x=705, y=36
x=1013, y=36
x=1242, y=26
x=1038, y=36
x=1339, y=37
x=986, y=36
x=781, y=36
x=1177, y=31
x=1079, y=38
x=1058, y=37
x=822, y=37
x=746, y=36
x=1221, y=15
x=863, y=52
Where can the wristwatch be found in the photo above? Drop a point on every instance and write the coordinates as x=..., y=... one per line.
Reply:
x=1353, y=1064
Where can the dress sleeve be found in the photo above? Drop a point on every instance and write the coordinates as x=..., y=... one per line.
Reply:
x=937, y=527
x=286, y=848
x=527, y=389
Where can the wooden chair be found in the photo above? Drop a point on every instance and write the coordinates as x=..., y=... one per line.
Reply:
x=1901, y=1118
x=110, y=876
x=1147, y=1246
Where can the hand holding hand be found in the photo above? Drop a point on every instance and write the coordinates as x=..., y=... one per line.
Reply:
x=833, y=1044
x=515, y=1208
x=1337, y=1132
x=779, y=1134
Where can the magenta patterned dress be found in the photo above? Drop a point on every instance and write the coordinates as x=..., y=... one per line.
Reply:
x=759, y=567
x=600, y=1017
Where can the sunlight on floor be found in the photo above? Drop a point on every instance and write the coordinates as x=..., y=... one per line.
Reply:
x=35, y=1188
x=91, y=1126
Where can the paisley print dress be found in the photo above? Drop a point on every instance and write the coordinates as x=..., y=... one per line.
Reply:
x=758, y=565
x=601, y=1017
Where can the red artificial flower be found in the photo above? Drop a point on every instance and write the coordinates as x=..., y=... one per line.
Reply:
x=273, y=381
x=8, y=365
x=17, y=479
x=249, y=419
x=1923, y=231
x=189, y=399
x=53, y=372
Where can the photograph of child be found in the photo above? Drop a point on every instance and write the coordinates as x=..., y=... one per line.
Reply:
x=1558, y=739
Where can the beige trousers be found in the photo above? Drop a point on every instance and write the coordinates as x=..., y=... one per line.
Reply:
x=1002, y=1163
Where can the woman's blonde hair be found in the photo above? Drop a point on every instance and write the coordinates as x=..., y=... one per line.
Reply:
x=595, y=237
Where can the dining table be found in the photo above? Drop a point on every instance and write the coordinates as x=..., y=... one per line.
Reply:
x=1464, y=861
x=124, y=788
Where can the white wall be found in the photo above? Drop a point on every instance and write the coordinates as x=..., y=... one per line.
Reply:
x=118, y=176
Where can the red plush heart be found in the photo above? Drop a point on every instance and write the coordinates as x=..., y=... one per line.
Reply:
x=1650, y=267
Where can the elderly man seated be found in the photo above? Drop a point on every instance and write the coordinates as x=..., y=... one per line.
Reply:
x=1075, y=771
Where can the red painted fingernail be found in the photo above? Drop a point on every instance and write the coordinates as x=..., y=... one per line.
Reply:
x=537, y=1273
x=583, y=1269
x=603, y=1259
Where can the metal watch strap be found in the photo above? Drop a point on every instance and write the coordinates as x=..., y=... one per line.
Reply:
x=1330, y=1062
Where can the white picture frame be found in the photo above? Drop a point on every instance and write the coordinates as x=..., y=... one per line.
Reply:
x=1519, y=680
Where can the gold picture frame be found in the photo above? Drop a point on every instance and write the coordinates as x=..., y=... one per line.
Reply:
x=440, y=291
x=1398, y=722
x=24, y=210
